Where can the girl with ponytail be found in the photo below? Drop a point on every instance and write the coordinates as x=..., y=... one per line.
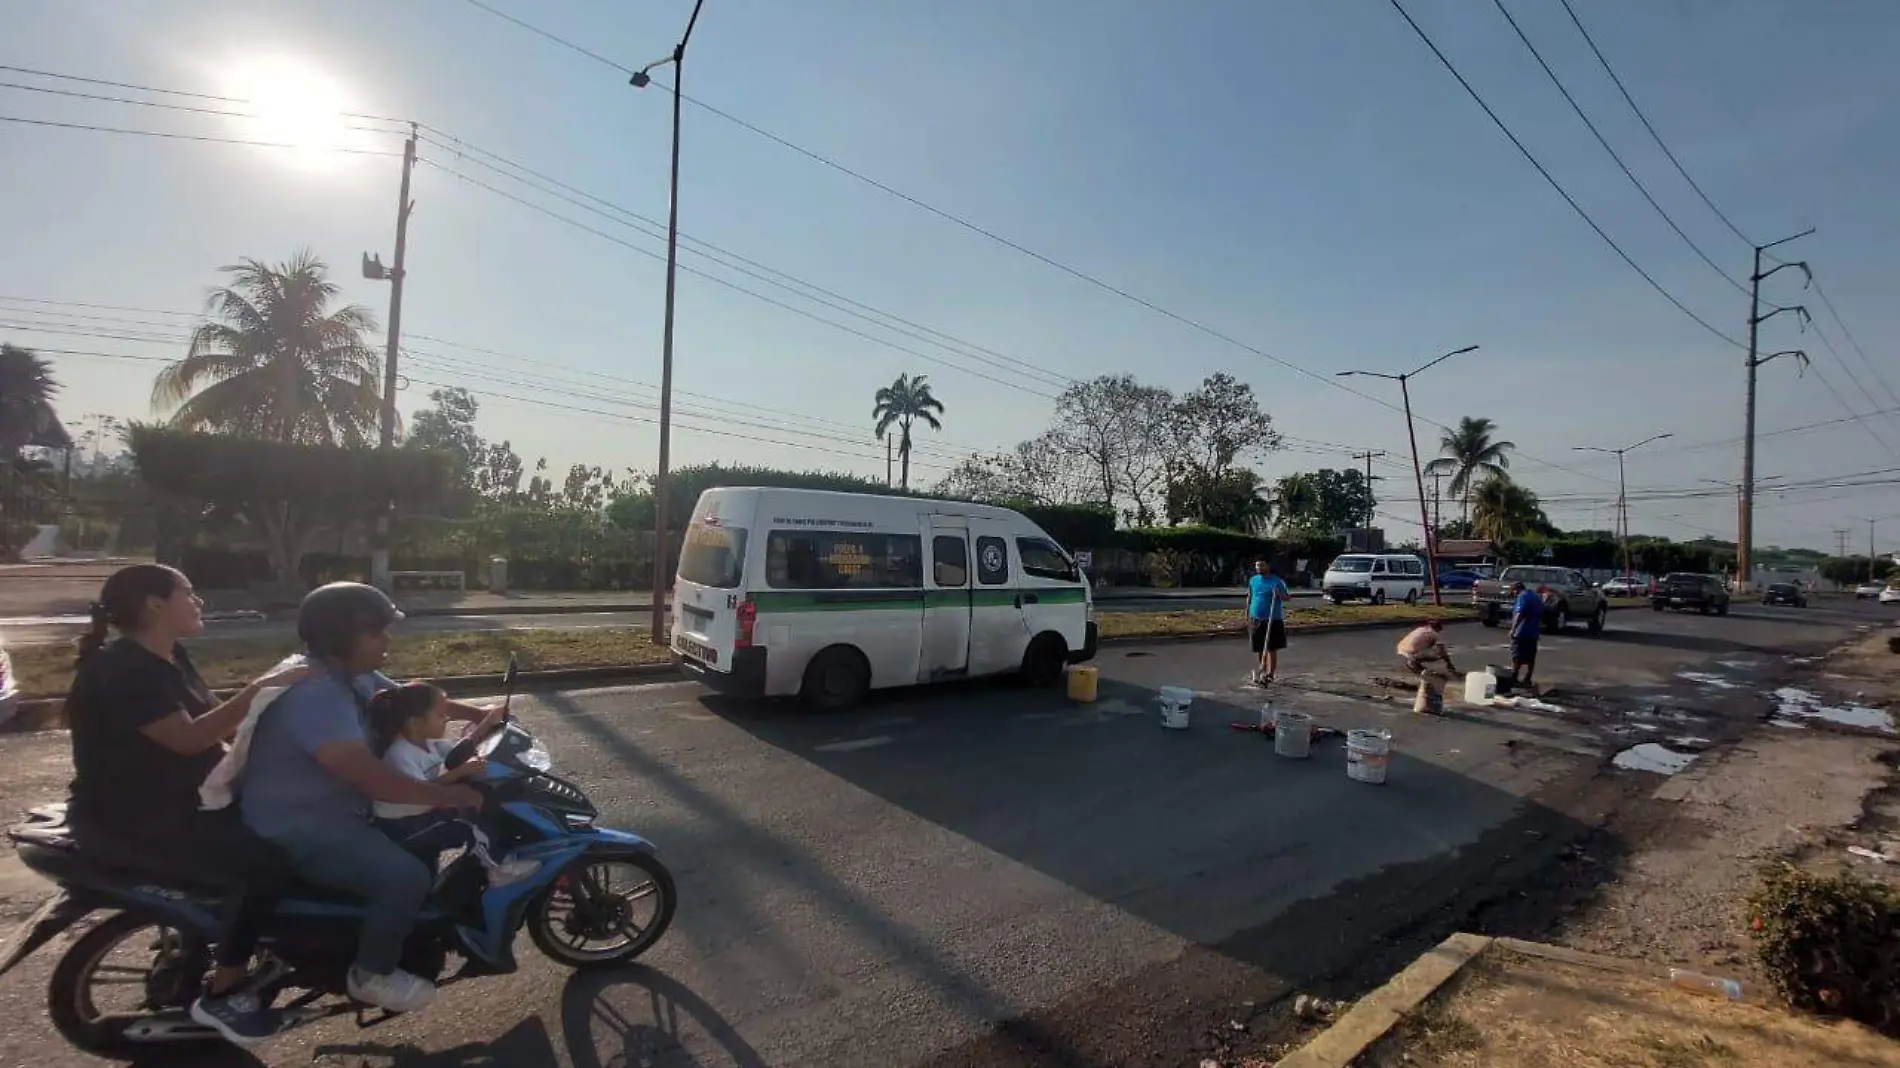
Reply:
x=146, y=731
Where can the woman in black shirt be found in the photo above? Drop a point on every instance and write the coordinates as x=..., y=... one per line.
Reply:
x=146, y=732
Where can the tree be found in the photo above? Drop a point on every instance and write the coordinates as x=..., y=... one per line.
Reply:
x=904, y=402
x=27, y=417
x=289, y=495
x=1230, y=500
x=1040, y=471
x=1501, y=510
x=483, y=470
x=1470, y=456
x=1219, y=424
x=277, y=362
x=1122, y=432
x=1318, y=503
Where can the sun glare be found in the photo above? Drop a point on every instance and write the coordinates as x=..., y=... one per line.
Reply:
x=294, y=103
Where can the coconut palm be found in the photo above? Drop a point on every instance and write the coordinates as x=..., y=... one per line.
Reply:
x=277, y=361
x=902, y=403
x=27, y=417
x=1471, y=457
x=1502, y=510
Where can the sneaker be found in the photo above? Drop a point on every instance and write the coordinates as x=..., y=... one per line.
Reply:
x=396, y=992
x=239, y=1017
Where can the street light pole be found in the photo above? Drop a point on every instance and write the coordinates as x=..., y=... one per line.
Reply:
x=1418, y=472
x=1622, y=493
x=640, y=80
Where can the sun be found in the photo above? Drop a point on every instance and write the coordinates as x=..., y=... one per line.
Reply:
x=292, y=102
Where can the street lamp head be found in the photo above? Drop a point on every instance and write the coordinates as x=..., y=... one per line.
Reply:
x=1461, y=352
x=641, y=79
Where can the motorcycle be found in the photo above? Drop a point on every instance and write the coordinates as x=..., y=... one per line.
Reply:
x=580, y=890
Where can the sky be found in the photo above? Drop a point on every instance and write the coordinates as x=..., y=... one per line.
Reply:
x=1279, y=190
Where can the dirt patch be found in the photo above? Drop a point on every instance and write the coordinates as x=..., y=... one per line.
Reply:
x=1507, y=1010
x=47, y=669
x=1220, y=621
x=1867, y=668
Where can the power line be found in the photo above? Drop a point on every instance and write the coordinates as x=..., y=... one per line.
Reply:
x=1601, y=140
x=1660, y=143
x=153, y=89
x=1554, y=184
x=206, y=138
x=1849, y=335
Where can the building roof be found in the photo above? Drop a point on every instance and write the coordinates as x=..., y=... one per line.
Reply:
x=1466, y=547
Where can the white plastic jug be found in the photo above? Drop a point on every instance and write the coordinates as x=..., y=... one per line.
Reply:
x=1480, y=687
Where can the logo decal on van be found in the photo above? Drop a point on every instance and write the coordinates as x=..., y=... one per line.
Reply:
x=848, y=559
x=993, y=558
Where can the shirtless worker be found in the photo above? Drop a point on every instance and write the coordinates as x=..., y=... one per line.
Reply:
x=1422, y=646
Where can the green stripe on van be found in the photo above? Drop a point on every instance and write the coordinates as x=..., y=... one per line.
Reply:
x=779, y=601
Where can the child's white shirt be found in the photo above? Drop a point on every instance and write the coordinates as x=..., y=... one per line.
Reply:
x=420, y=762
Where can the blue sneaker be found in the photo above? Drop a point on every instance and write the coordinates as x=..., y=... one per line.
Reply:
x=239, y=1017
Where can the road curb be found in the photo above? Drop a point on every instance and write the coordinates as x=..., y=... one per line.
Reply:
x=1374, y=1016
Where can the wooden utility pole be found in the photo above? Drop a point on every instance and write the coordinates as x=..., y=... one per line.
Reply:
x=394, y=274
x=1371, y=502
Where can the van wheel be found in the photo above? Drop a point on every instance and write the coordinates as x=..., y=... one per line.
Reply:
x=1411, y=597
x=1378, y=597
x=1044, y=660
x=835, y=680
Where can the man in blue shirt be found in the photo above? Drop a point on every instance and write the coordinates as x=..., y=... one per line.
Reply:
x=310, y=778
x=1527, y=621
x=1266, y=621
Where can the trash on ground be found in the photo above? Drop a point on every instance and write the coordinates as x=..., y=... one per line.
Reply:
x=1704, y=679
x=1787, y=724
x=1527, y=704
x=1804, y=704
x=1653, y=758
x=1870, y=854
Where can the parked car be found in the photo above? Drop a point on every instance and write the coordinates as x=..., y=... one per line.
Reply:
x=1626, y=587
x=1784, y=593
x=1457, y=579
x=1567, y=596
x=1684, y=590
x=1868, y=589
x=1890, y=595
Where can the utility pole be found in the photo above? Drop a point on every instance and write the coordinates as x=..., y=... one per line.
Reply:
x=1745, y=533
x=1418, y=473
x=887, y=461
x=1622, y=493
x=1870, y=550
x=1438, y=519
x=640, y=80
x=1371, y=503
x=1840, y=543
x=395, y=274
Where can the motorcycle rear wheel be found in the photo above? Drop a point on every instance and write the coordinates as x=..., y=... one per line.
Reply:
x=174, y=977
x=561, y=928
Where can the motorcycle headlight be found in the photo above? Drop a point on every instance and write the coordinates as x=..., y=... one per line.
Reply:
x=535, y=758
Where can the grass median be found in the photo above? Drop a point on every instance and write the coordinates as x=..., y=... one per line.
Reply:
x=46, y=670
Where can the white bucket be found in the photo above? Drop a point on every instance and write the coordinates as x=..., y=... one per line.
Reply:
x=1366, y=753
x=1292, y=734
x=1480, y=687
x=1174, y=707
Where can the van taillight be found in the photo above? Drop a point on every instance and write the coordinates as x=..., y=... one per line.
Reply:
x=748, y=615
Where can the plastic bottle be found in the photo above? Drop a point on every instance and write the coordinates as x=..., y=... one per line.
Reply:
x=1266, y=717
x=1707, y=985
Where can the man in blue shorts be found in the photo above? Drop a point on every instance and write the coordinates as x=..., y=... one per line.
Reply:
x=1527, y=621
x=1267, y=595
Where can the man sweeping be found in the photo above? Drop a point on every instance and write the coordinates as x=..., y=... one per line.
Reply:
x=1267, y=595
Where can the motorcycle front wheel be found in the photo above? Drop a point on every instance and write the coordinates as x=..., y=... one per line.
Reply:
x=605, y=909
x=147, y=971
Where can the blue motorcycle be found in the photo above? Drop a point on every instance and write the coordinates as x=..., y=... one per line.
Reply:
x=589, y=897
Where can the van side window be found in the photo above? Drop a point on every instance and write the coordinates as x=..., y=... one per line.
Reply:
x=839, y=560
x=951, y=554
x=992, y=561
x=1378, y=567
x=1041, y=559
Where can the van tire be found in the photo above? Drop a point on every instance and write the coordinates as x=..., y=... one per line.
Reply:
x=1411, y=597
x=836, y=680
x=1044, y=660
x=1378, y=598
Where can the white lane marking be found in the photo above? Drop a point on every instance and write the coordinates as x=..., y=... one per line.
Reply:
x=855, y=744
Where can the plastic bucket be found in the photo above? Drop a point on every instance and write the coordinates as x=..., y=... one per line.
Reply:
x=1083, y=682
x=1366, y=753
x=1174, y=707
x=1292, y=734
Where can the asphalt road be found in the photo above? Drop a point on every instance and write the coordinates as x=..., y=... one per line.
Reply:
x=944, y=872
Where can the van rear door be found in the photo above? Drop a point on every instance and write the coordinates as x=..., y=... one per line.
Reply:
x=711, y=617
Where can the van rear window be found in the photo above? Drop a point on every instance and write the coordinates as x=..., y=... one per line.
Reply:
x=713, y=556
x=839, y=560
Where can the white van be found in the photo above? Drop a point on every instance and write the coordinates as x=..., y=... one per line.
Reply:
x=829, y=595
x=1375, y=577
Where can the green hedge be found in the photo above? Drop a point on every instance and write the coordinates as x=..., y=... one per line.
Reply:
x=1831, y=943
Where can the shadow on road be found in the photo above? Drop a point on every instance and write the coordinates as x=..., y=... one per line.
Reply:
x=1696, y=643
x=609, y=1019
x=1202, y=833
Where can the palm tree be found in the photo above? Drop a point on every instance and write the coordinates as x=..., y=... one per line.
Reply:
x=1470, y=456
x=903, y=402
x=1502, y=510
x=27, y=417
x=277, y=362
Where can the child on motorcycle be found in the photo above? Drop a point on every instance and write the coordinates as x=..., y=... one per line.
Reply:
x=408, y=729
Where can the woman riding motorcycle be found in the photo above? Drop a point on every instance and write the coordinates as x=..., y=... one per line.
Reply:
x=145, y=733
x=310, y=776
